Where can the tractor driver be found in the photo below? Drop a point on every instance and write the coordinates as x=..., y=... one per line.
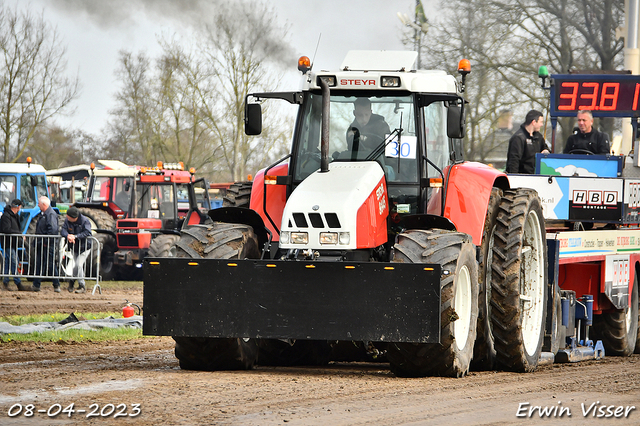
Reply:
x=367, y=128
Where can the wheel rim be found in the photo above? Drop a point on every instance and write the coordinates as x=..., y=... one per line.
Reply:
x=532, y=284
x=487, y=278
x=462, y=306
x=627, y=318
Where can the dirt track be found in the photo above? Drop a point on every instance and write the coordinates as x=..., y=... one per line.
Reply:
x=145, y=372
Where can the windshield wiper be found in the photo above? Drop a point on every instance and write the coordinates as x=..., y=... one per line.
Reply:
x=380, y=148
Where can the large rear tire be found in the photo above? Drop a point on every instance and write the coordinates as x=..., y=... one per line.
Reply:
x=217, y=241
x=458, y=309
x=519, y=281
x=238, y=195
x=618, y=330
x=100, y=219
x=484, y=353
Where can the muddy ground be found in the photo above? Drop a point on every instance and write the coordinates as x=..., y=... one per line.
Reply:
x=94, y=375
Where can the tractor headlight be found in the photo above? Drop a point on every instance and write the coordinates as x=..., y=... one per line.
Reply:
x=344, y=238
x=299, y=238
x=328, y=238
x=284, y=237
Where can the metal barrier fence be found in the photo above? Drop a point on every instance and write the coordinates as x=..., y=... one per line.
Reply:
x=48, y=257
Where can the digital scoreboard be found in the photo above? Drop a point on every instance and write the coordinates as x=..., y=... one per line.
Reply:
x=602, y=94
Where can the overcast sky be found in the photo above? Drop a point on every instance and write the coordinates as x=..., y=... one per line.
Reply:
x=95, y=30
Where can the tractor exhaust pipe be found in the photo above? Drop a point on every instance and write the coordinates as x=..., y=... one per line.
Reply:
x=324, y=136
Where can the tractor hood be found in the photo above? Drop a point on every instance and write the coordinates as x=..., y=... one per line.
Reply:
x=343, y=209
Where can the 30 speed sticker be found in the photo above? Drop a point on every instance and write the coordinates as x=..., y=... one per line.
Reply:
x=94, y=410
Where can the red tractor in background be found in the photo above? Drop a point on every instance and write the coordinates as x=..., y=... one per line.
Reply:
x=107, y=199
x=166, y=197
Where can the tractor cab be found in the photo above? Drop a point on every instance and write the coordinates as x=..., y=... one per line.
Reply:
x=376, y=109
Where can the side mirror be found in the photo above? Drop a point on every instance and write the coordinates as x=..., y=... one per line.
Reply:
x=34, y=180
x=127, y=185
x=455, y=120
x=253, y=119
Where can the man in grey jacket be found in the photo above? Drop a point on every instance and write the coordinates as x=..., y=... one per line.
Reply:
x=46, y=245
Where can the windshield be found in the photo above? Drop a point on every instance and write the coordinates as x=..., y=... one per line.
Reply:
x=30, y=195
x=7, y=189
x=101, y=189
x=156, y=201
x=357, y=126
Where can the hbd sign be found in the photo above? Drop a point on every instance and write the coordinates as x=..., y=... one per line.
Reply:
x=594, y=199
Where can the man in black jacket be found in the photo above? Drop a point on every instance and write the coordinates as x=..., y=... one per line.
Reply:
x=10, y=224
x=75, y=230
x=46, y=246
x=368, y=128
x=525, y=143
x=587, y=139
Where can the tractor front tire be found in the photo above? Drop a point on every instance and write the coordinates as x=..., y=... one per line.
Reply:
x=618, y=330
x=519, y=281
x=484, y=353
x=217, y=241
x=455, y=252
x=211, y=354
x=163, y=246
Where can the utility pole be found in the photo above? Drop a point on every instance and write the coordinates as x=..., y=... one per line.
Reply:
x=420, y=26
x=631, y=63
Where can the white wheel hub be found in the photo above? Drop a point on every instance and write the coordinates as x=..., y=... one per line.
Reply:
x=462, y=307
x=532, y=283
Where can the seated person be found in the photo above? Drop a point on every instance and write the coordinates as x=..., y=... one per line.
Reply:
x=587, y=139
x=367, y=130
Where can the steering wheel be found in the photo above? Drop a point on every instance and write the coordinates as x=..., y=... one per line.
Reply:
x=580, y=151
x=371, y=140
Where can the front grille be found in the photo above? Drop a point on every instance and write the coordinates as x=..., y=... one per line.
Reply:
x=316, y=220
x=332, y=220
x=128, y=240
x=301, y=221
x=128, y=224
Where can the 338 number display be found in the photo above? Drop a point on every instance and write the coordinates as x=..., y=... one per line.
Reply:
x=607, y=93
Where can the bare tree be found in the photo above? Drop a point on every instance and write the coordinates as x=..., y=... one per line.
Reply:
x=189, y=105
x=241, y=45
x=506, y=41
x=33, y=85
x=130, y=136
x=55, y=147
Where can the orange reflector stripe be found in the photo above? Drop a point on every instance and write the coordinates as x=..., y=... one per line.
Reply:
x=154, y=263
x=389, y=268
x=192, y=263
x=349, y=267
x=232, y=264
x=271, y=265
x=310, y=266
x=428, y=269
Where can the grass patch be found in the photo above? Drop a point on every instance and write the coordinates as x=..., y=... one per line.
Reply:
x=66, y=336
x=58, y=316
x=70, y=335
